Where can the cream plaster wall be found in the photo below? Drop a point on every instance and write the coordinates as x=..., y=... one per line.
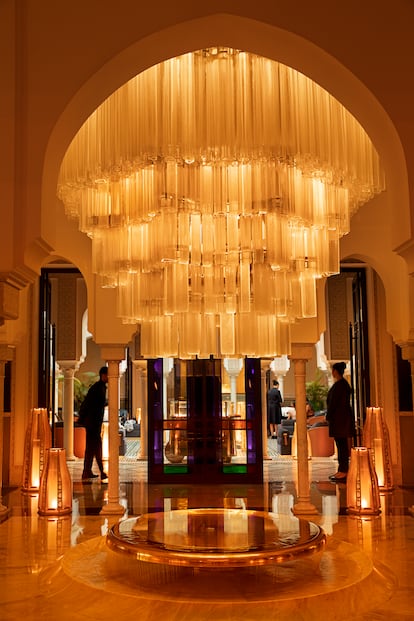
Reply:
x=59, y=60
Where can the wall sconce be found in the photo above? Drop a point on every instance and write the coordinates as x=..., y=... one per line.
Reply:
x=55, y=493
x=362, y=493
x=38, y=439
x=376, y=437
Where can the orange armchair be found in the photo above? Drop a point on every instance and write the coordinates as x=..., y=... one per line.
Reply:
x=322, y=445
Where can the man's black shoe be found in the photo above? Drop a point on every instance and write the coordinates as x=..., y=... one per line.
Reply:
x=88, y=477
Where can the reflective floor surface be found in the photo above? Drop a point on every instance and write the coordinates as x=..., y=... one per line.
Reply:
x=63, y=569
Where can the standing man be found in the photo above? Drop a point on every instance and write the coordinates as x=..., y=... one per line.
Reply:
x=340, y=418
x=91, y=415
x=274, y=408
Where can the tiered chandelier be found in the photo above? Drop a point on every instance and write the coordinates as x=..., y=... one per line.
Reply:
x=215, y=187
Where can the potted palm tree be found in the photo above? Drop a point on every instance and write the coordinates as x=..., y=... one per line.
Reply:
x=316, y=392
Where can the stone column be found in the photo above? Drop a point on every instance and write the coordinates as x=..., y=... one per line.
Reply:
x=113, y=355
x=140, y=367
x=68, y=370
x=167, y=367
x=301, y=353
x=264, y=367
x=279, y=367
x=68, y=319
x=5, y=355
x=233, y=367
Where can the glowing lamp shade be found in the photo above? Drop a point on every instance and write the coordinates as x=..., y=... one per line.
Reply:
x=215, y=187
x=362, y=486
x=55, y=493
x=376, y=437
x=38, y=439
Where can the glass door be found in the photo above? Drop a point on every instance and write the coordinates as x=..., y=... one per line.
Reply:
x=204, y=420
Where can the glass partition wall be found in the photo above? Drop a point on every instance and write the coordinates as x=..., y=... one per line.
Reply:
x=204, y=420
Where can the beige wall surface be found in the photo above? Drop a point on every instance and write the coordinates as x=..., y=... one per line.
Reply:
x=60, y=60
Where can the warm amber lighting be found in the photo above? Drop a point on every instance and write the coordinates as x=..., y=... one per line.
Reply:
x=377, y=438
x=38, y=439
x=362, y=492
x=54, y=535
x=215, y=187
x=294, y=451
x=215, y=538
x=55, y=493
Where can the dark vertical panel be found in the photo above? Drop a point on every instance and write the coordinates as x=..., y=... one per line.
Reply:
x=405, y=388
x=359, y=358
x=7, y=387
x=254, y=418
x=155, y=430
x=43, y=393
x=53, y=379
x=204, y=414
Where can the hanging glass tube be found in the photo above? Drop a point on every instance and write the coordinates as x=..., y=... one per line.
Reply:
x=208, y=181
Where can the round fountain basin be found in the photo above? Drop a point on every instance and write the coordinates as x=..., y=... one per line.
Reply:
x=219, y=538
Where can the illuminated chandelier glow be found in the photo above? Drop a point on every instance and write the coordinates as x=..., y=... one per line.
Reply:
x=215, y=187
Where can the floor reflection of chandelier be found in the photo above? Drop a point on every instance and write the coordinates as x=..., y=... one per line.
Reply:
x=215, y=187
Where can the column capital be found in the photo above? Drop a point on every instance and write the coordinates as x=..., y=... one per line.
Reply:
x=68, y=365
x=9, y=301
x=302, y=351
x=280, y=365
x=407, y=350
x=265, y=364
x=115, y=353
x=6, y=352
x=140, y=365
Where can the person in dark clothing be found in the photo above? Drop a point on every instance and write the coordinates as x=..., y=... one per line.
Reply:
x=274, y=408
x=91, y=415
x=340, y=418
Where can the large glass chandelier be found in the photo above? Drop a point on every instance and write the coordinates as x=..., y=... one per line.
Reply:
x=215, y=187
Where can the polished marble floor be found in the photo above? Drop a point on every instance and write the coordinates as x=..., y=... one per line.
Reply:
x=56, y=569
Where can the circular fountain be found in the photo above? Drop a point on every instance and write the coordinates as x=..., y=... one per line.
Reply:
x=215, y=538
x=220, y=563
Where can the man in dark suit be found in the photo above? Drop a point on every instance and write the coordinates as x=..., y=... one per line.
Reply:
x=91, y=417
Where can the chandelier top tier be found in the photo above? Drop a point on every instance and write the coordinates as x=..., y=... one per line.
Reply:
x=215, y=187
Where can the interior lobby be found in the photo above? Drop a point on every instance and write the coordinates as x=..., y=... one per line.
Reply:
x=78, y=291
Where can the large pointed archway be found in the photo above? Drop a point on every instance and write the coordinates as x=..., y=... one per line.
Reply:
x=257, y=37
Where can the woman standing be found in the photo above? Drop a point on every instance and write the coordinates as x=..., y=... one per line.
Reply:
x=274, y=408
x=340, y=418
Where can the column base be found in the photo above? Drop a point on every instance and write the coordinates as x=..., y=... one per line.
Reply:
x=112, y=508
x=3, y=511
x=304, y=507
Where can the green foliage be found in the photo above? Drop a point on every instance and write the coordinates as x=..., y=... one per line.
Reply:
x=81, y=385
x=316, y=392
